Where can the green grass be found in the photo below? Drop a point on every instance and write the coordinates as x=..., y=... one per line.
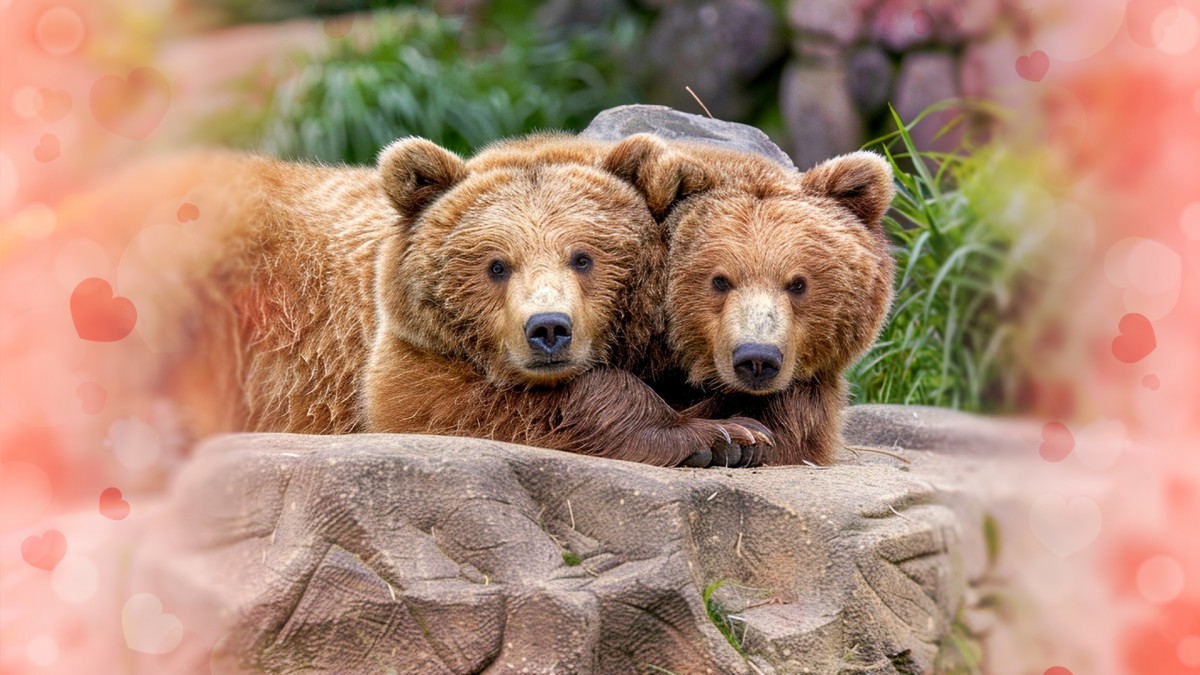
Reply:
x=415, y=73
x=720, y=616
x=954, y=324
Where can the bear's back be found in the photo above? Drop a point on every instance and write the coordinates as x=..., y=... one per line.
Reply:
x=282, y=279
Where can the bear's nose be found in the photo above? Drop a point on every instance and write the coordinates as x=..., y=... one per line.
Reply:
x=756, y=364
x=549, y=332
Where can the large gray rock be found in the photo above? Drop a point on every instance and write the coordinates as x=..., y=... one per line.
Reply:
x=927, y=78
x=904, y=24
x=617, y=123
x=382, y=553
x=842, y=21
x=822, y=120
x=900, y=25
x=870, y=75
x=717, y=47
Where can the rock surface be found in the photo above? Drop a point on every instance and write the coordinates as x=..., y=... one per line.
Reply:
x=382, y=553
x=617, y=123
x=717, y=47
x=926, y=79
x=822, y=120
x=871, y=83
x=841, y=21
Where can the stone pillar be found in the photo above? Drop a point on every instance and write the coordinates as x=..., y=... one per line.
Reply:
x=822, y=120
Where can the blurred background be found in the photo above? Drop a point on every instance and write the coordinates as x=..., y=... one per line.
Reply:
x=816, y=76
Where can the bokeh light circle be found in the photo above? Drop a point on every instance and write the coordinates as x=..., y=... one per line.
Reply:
x=25, y=102
x=135, y=444
x=1153, y=268
x=1189, y=220
x=76, y=579
x=1188, y=651
x=1176, y=31
x=1160, y=579
x=42, y=651
x=59, y=31
x=1066, y=33
x=36, y=221
x=1150, y=273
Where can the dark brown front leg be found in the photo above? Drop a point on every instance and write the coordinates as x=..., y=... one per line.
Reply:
x=807, y=421
x=612, y=413
x=603, y=412
x=806, y=418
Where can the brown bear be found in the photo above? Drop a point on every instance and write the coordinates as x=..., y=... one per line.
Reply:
x=516, y=291
x=777, y=282
x=431, y=295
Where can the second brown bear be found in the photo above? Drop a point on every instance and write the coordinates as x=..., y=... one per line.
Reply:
x=777, y=282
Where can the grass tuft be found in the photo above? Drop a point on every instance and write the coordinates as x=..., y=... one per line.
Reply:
x=954, y=325
x=720, y=616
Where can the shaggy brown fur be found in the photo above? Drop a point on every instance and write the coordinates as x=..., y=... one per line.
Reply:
x=274, y=298
x=335, y=300
x=451, y=354
x=798, y=262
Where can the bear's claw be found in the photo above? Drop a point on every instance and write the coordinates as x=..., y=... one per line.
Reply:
x=725, y=434
x=742, y=435
x=700, y=459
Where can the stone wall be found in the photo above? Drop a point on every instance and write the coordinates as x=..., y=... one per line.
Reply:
x=817, y=75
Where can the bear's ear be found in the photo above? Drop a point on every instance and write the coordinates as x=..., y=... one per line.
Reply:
x=662, y=176
x=861, y=181
x=415, y=172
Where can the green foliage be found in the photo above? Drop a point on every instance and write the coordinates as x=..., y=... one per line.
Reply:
x=720, y=616
x=418, y=74
x=954, y=320
x=571, y=558
x=959, y=651
x=992, y=539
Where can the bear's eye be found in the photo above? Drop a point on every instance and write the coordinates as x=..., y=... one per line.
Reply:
x=581, y=262
x=798, y=286
x=721, y=284
x=498, y=270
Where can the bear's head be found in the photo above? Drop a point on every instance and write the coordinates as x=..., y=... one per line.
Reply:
x=777, y=276
x=528, y=260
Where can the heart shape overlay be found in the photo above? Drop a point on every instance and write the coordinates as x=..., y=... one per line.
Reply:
x=46, y=551
x=147, y=628
x=187, y=212
x=98, y=316
x=1136, y=339
x=112, y=505
x=47, y=149
x=1065, y=527
x=1033, y=67
x=131, y=107
x=1057, y=442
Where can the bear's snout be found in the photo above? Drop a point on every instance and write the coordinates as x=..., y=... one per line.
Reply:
x=548, y=333
x=757, y=364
